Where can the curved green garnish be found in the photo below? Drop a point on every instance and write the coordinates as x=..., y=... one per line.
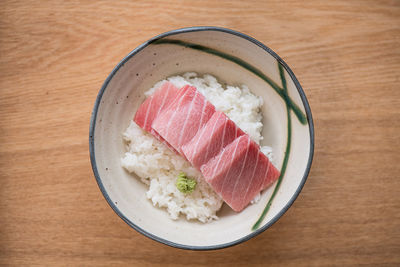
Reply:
x=289, y=102
x=285, y=159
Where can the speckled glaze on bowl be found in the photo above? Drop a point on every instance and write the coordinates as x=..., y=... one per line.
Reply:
x=234, y=58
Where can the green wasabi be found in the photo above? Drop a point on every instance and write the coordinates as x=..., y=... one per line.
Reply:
x=184, y=184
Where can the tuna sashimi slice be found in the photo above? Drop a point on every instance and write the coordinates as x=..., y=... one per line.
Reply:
x=239, y=172
x=216, y=134
x=154, y=104
x=183, y=118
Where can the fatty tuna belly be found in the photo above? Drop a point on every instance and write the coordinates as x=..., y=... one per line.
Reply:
x=239, y=172
x=154, y=104
x=185, y=115
x=216, y=134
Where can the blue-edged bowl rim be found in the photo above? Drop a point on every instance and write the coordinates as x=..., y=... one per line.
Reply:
x=93, y=126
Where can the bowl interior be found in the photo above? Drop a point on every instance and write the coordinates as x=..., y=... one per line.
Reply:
x=122, y=95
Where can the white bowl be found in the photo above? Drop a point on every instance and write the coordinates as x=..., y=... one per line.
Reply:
x=233, y=58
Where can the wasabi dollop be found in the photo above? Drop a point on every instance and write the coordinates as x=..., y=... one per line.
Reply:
x=184, y=184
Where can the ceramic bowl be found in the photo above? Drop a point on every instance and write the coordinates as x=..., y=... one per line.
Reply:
x=236, y=59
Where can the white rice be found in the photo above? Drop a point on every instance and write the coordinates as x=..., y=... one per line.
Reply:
x=158, y=166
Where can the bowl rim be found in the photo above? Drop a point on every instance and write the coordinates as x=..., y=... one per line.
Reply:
x=93, y=126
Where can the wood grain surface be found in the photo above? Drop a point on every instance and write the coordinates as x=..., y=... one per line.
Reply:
x=54, y=57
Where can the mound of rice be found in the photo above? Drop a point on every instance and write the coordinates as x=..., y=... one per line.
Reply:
x=159, y=167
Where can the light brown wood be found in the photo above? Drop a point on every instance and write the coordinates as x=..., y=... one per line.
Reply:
x=54, y=57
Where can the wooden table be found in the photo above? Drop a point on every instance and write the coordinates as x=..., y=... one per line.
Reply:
x=54, y=57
